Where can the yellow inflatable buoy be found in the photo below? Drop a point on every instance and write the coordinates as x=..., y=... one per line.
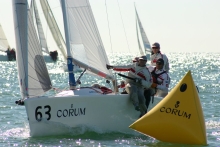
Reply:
x=178, y=118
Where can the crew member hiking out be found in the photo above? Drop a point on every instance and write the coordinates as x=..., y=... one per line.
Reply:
x=135, y=89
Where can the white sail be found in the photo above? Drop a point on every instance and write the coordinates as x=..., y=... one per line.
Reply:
x=139, y=44
x=33, y=75
x=54, y=27
x=84, y=42
x=145, y=40
x=41, y=35
x=3, y=40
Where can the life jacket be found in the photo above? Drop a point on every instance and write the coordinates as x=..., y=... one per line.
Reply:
x=155, y=76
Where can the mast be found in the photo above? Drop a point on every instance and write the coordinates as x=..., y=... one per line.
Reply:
x=72, y=81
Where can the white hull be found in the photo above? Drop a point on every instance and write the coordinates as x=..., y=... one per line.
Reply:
x=98, y=112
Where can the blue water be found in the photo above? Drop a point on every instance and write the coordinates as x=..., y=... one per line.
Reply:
x=14, y=129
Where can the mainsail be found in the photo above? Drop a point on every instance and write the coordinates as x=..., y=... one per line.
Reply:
x=41, y=35
x=84, y=43
x=54, y=27
x=3, y=40
x=145, y=40
x=34, y=79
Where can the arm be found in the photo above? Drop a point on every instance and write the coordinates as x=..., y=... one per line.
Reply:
x=122, y=68
x=164, y=78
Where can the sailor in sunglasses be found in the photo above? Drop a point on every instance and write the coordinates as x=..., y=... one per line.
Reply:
x=156, y=54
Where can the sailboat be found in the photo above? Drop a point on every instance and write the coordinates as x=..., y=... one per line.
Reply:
x=77, y=107
x=146, y=50
x=54, y=28
x=7, y=54
x=84, y=108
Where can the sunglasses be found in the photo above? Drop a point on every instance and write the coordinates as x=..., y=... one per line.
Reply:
x=155, y=48
x=159, y=63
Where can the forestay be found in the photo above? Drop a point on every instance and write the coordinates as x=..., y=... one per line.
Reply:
x=145, y=40
x=3, y=40
x=85, y=44
x=33, y=75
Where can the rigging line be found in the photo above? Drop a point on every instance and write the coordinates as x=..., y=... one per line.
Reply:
x=108, y=26
x=123, y=27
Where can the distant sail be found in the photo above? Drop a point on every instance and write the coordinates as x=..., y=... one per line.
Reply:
x=178, y=118
x=54, y=27
x=145, y=40
x=41, y=35
x=139, y=44
x=3, y=40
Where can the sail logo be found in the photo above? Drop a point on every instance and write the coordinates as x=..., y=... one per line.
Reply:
x=175, y=111
x=71, y=112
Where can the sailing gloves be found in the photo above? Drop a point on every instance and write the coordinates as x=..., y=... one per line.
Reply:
x=109, y=66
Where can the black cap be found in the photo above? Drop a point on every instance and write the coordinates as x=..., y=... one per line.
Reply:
x=161, y=61
x=156, y=44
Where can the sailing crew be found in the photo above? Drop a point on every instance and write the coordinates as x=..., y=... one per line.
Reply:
x=135, y=88
x=156, y=54
x=11, y=54
x=161, y=78
x=54, y=55
x=149, y=92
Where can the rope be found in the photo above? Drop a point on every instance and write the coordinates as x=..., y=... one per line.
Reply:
x=123, y=26
x=108, y=26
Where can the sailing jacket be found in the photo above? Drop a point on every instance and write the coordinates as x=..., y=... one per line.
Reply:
x=157, y=56
x=135, y=71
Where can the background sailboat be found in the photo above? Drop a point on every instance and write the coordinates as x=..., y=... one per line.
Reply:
x=56, y=33
x=48, y=14
x=4, y=46
x=47, y=54
x=146, y=49
x=42, y=39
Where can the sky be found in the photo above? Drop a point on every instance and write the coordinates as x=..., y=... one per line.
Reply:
x=178, y=25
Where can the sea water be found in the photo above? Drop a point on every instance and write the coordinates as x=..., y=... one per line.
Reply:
x=14, y=128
